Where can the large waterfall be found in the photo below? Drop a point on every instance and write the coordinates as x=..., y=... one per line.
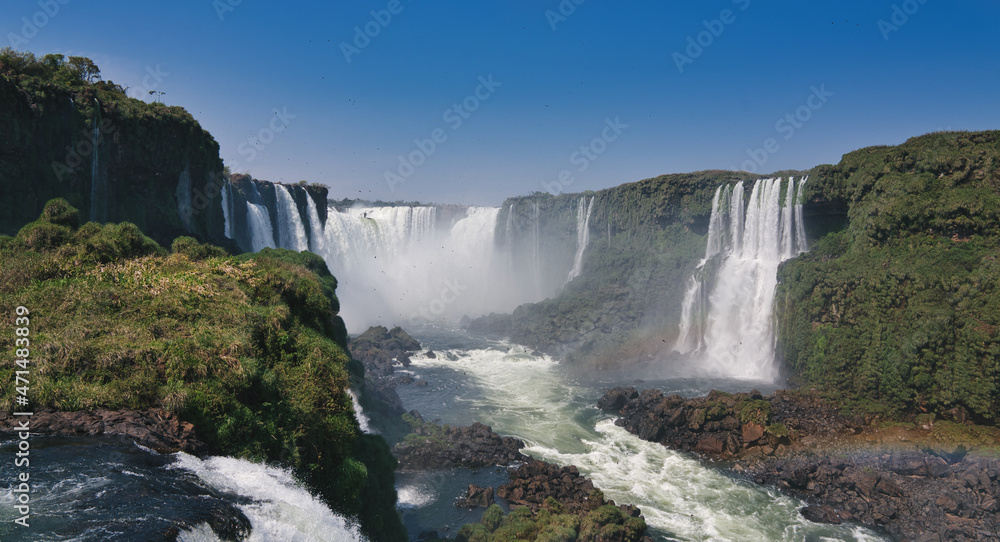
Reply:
x=726, y=316
x=582, y=235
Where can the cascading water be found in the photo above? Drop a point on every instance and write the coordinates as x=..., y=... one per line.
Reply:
x=291, y=231
x=259, y=222
x=583, y=211
x=726, y=315
x=97, y=195
x=359, y=414
x=227, y=211
x=278, y=507
x=317, y=238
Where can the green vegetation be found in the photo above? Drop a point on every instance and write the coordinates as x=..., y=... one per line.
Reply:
x=756, y=411
x=56, y=108
x=244, y=348
x=551, y=524
x=899, y=312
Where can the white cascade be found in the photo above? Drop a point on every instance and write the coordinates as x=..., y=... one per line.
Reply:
x=403, y=263
x=726, y=315
x=227, y=212
x=279, y=508
x=583, y=211
x=291, y=231
x=97, y=194
x=317, y=237
x=259, y=223
x=364, y=422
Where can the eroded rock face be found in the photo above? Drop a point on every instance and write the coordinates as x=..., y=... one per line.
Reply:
x=379, y=349
x=154, y=428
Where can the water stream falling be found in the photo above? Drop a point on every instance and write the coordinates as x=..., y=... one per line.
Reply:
x=259, y=223
x=227, y=209
x=726, y=316
x=317, y=237
x=97, y=190
x=291, y=231
x=582, y=235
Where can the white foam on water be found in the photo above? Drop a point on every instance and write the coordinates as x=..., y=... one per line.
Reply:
x=281, y=511
x=529, y=397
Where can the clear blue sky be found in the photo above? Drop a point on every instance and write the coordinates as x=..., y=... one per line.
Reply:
x=937, y=70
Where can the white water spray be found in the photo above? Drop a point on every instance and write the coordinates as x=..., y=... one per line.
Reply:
x=317, y=237
x=259, y=223
x=291, y=232
x=364, y=422
x=583, y=211
x=280, y=509
x=726, y=315
x=227, y=212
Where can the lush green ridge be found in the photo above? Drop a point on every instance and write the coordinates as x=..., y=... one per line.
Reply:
x=898, y=313
x=51, y=106
x=249, y=349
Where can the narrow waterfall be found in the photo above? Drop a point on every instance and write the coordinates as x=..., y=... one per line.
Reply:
x=98, y=205
x=359, y=414
x=291, y=231
x=227, y=210
x=509, y=237
x=317, y=238
x=726, y=315
x=259, y=222
x=536, y=249
x=583, y=211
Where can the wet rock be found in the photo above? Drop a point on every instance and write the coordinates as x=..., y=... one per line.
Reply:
x=476, y=497
x=154, y=428
x=474, y=446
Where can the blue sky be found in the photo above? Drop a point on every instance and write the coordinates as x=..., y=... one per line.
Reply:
x=561, y=74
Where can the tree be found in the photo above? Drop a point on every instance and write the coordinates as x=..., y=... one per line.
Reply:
x=85, y=68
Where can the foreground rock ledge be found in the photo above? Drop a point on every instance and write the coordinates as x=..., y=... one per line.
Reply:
x=800, y=444
x=154, y=428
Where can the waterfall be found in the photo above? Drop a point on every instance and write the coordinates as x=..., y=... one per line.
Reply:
x=291, y=231
x=536, y=249
x=259, y=222
x=227, y=210
x=726, y=315
x=359, y=414
x=317, y=240
x=97, y=195
x=582, y=235
x=509, y=238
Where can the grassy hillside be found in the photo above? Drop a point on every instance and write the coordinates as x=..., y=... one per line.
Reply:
x=899, y=312
x=245, y=348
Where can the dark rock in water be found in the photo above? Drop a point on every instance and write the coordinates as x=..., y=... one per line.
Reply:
x=379, y=350
x=228, y=522
x=420, y=383
x=615, y=400
x=824, y=514
x=431, y=447
x=477, y=497
x=535, y=481
x=154, y=428
x=431, y=355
